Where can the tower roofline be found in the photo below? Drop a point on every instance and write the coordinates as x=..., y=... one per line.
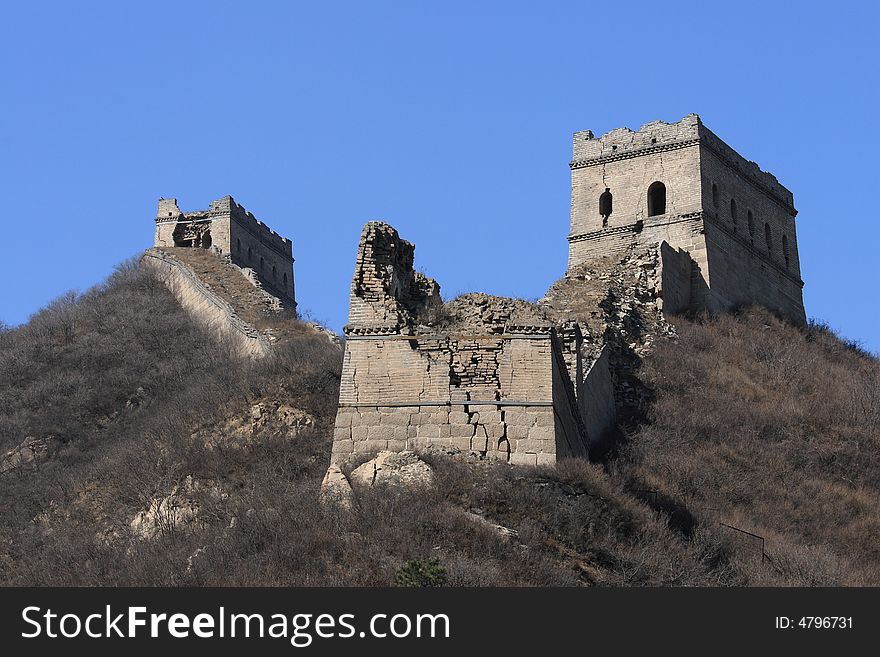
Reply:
x=659, y=136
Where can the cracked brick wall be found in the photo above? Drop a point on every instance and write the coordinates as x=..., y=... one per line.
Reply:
x=497, y=377
x=386, y=291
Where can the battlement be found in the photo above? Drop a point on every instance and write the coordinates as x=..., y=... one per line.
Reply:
x=622, y=142
x=660, y=136
x=251, y=223
x=226, y=206
x=748, y=169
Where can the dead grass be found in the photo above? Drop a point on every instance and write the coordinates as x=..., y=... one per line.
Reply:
x=774, y=430
x=122, y=377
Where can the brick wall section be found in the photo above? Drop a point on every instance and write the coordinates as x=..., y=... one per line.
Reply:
x=596, y=397
x=411, y=384
x=205, y=306
x=234, y=232
x=740, y=275
x=504, y=389
x=385, y=289
x=701, y=174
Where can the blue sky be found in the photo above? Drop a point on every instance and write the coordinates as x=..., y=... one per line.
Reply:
x=450, y=120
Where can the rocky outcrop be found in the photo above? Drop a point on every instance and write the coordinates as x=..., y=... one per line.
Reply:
x=265, y=417
x=335, y=489
x=393, y=468
x=175, y=511
x=28, y=453
x=504, y=533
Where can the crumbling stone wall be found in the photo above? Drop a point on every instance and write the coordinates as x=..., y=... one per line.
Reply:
x=498, y=377
x=719, y=208
x=204, y=305
x=619, y=304
x=386, y=291
x=229, y=230
x=384, y=404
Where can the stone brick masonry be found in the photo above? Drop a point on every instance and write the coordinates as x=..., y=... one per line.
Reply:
x=498, y=377
x=665, y=219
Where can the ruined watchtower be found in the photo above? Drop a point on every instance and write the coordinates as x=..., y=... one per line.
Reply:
x=227, y=229
x=499, y=377
x=728, y=225
x=663, y=220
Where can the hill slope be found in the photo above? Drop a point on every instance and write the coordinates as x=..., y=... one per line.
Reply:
x=770, y=429
x=138, y=451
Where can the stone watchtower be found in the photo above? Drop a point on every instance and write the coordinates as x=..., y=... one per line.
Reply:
x=728, y=227
x=229, y=230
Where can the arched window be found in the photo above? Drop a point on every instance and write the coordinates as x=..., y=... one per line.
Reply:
x=751, y=219
x=605, y=205
x=262, y=264
x=785, y=249
x=733, y=213
x=274, y=273
x=285, y=281
x=656, y=199
x=250, y=254
x=768, y=237
x=714, y=195
x=237, y=245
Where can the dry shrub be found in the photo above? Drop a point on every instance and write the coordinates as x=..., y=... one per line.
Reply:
x=772, y=428
x=753, y=422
